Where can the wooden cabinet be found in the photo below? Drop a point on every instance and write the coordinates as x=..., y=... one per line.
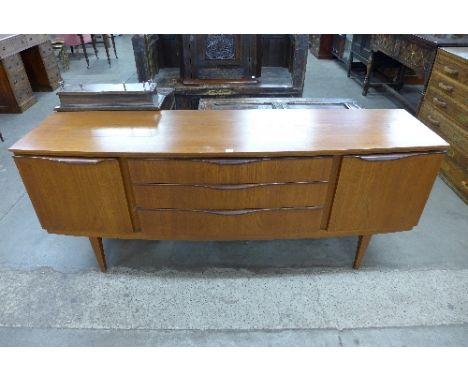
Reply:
x=383, y=192
x=222, y=65
x=445, y=110
x=223, y=57
x=76, y=194
x=229, y=175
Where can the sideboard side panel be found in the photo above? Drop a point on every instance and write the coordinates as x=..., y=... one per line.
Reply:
x=74, y=195
x=383, y=193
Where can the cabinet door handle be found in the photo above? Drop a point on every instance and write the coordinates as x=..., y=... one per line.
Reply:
x=449, y=70
x=68, y=160
x=445, y=87
x=438, y=102
x=432, y=120
x=379, y=158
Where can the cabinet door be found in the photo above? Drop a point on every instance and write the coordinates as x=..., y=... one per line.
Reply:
x=383, y=193
x=73, y=195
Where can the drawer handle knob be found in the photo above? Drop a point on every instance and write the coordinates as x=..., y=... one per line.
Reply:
x=432, y=120
x=438, y=102
x=449, y=70
x=445, y=87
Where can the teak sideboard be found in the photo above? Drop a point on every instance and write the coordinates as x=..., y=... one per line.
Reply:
x=229, y=175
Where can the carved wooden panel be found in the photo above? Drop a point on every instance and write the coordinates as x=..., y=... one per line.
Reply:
x=220, y=47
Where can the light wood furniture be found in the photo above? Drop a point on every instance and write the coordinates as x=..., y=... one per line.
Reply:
x=229, y=175
x=445, y=110
x=27, y=64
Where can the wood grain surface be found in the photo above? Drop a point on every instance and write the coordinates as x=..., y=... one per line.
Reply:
x=227, y=133
x=75, y=194
x=382, y=192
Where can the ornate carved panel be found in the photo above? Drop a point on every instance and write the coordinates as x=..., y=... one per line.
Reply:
x=220, y=47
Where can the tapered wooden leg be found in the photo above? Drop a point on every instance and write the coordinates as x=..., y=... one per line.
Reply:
x=363, y=242
x=96, y=243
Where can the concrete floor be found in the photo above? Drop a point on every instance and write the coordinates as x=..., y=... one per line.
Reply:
x=34, y=260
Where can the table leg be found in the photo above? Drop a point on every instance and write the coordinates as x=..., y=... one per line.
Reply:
x=96, y=243
x=84, y=49
x=363, y=242
x=370, y=68
x=93, y=42
x=113, y=45
x=350, y=63
x=105, y=39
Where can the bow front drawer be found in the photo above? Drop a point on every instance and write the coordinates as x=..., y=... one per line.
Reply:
x=229, y=171
x=230, y=196
x=228, y=225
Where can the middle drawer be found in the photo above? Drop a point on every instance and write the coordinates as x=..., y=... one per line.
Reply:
x=229, y=170
x=238, y=196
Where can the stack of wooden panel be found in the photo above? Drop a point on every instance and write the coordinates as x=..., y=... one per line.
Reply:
x=445, y=110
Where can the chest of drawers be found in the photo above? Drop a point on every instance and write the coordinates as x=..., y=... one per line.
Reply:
x=229, y=175
x=445, y=110
x=27, y=64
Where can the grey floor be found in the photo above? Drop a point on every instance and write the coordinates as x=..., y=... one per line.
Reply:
x=411, y=291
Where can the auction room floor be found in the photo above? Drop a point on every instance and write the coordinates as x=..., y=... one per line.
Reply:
x=412, y=289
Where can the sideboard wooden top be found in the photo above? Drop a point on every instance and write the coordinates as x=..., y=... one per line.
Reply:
x=240, y=133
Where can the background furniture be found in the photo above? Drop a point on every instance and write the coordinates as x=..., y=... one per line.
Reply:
x=276, y=103
x=445, y=110
x=229, y=175
x=27, y=64
x=341, y=47
x=277, y=63
x=127, y=96
x=321, y=45
x=73, y=40
x=416, y=52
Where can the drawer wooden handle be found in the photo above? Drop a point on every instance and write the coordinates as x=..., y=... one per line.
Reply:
x=445, y=87
x=432, y=120
x=378, y=158
x=230, y=161
x=68, y=160
x=438, y=102
x=239, y=186
x=236, y=212
x=449, y=70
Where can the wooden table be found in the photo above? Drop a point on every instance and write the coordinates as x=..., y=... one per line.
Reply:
x=229, y=175
x=416, y=52
x=27, y=64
